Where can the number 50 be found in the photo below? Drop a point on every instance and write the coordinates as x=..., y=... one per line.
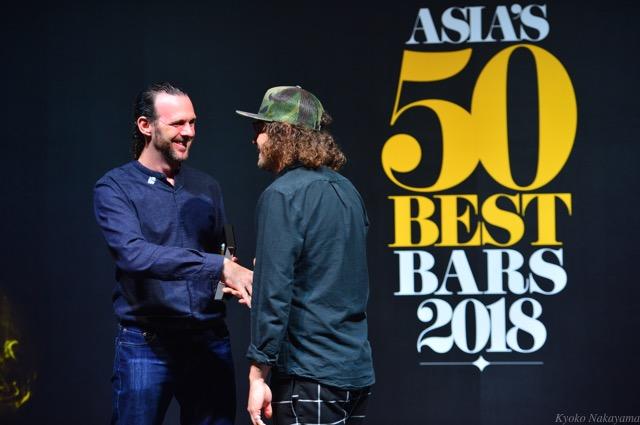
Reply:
x=482, y=135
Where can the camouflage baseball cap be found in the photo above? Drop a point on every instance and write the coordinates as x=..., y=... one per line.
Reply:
x=290, y=104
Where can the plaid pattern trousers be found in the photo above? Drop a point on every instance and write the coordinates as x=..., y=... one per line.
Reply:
x=300, y=401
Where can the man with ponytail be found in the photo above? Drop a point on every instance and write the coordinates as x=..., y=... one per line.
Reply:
x=163, y=223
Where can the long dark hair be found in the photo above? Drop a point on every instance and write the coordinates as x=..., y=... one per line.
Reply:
x=144, y=106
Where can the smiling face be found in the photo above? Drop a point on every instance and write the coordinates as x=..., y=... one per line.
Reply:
x=173, y=129
x=175, y=126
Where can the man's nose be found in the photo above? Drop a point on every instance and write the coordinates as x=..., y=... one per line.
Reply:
x=189, y=130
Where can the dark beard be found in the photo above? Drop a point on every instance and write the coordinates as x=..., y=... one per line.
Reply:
x=270, y=160
x=168, y=155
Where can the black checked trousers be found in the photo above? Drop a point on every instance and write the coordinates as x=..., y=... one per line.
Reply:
x=300, y=401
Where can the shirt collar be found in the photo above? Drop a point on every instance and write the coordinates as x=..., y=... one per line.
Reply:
x=178, y=178
x=289, y=168
x=148, y=171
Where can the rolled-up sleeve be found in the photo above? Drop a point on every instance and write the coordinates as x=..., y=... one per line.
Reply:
x=133, y=254
x=279, y=243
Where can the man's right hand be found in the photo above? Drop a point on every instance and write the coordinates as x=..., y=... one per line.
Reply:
x=259, y=394
x=238, y=281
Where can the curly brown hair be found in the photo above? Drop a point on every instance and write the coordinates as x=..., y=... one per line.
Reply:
x=291, y=144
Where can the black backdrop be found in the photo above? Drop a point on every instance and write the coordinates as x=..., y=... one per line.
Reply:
x=71, y=70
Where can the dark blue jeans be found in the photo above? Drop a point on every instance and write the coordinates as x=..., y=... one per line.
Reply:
x=194, y=366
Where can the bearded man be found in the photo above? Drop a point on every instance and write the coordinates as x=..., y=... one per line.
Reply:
x=163, y=223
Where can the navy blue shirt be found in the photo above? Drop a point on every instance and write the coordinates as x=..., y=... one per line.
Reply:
x=310, y=283
x=164, y=240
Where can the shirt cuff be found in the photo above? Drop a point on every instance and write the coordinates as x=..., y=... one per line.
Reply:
x=259, y=357
x=212, y=267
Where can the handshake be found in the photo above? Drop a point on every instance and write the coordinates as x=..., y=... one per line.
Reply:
x=236, y=280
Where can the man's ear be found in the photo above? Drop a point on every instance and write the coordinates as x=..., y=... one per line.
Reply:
x=144, y=125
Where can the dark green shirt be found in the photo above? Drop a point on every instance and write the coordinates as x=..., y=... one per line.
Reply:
x=311, y=283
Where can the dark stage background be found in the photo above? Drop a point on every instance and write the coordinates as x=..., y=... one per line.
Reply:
x=71, y=71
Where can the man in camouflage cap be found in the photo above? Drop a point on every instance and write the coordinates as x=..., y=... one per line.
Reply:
x=311, y=284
